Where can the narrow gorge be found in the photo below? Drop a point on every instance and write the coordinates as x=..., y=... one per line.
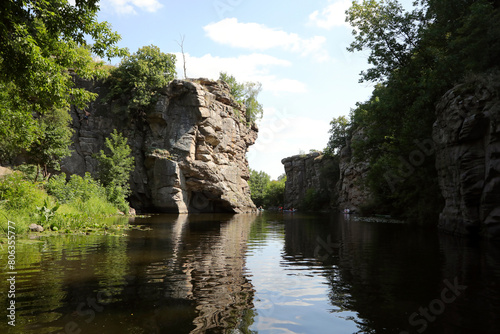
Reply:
x=466, y=139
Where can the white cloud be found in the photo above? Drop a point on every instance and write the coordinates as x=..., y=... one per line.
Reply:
x=332, y=15
x=127, y=7
x=253, y=67
x=255, y=36
x=283, y=135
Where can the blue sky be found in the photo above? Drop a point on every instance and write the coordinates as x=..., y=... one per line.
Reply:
x=296, y=49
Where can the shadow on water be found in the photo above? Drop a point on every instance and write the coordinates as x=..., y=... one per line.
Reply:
x=268, y=273
x=395, y=277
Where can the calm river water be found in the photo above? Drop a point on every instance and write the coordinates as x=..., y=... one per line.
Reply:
x=267, y=273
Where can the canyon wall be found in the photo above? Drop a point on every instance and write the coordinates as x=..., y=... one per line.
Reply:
x=467, y=138
x=351, y=188
x=308, y=173
x=341, y=180
x=189, y=151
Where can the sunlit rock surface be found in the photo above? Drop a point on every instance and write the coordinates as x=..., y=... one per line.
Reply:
x=189, y=152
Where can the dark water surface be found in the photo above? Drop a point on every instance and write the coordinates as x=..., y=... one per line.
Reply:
x=268, y=273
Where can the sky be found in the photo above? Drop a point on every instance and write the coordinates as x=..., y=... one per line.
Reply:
x=295, y=49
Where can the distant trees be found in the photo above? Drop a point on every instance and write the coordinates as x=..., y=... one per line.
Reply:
x=265, y=192
x=138, y=79
x=245, y=93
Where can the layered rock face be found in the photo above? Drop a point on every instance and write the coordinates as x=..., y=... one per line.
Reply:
x=304, y=172
x=351, y=187
x=467, y=138
x=343, y=179
x=189, y=153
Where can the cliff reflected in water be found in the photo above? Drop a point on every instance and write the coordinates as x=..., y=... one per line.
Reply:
x=184, y=275
x=398, y=278
x=268, y=273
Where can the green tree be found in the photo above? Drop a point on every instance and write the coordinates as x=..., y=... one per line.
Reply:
x=115, y=167
x=41, y=44
x=258, y=182
x=274, y=194
x=18, y=128
x=339, y=133
x=53, y=143
x=388, y=31
x=245, y=93
x=139, y=78
x=417, y=57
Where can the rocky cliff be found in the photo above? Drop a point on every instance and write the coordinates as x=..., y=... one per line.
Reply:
x=313, y=173
x=467, y=138
x=339, y=180
x=189, y=152
x=351, y=187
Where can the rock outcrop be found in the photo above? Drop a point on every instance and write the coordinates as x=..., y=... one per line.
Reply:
x=351, y=187
x=467, y=138
x=341, y=179
x=307, y=172
x=189, y=152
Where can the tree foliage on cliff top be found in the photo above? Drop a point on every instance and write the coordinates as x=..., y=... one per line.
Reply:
x=245, y=93
x=416, y=57
x=41, y=43
x=139, y=78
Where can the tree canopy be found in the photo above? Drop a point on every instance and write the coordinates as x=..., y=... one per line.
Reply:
x=416, y=57
x=41, y=44
x=138, y=79
x=245, y=93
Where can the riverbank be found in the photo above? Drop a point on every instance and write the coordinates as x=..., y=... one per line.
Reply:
x=79, y=205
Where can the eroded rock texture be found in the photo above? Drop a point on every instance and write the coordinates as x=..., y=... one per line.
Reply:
x=351, y=187
x=467, y=137
x=307, y=173
x=189, y=152
x=342, y=179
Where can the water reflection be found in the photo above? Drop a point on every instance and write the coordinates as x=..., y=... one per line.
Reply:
x=185, y=275
x=271, y=273
x=377, y=278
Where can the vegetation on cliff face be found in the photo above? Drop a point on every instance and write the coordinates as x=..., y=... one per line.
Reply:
x=246, y=94
x=115, y=167
x=416, y=56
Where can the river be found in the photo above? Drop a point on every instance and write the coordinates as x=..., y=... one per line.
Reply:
x=266, y=273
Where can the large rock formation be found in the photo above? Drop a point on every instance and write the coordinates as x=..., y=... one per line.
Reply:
x=467, y=137
x=343, y=179
x=189, y=152
x=307, y=172
x=351, y=187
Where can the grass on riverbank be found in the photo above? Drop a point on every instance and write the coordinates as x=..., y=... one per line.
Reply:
x=77, y=205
